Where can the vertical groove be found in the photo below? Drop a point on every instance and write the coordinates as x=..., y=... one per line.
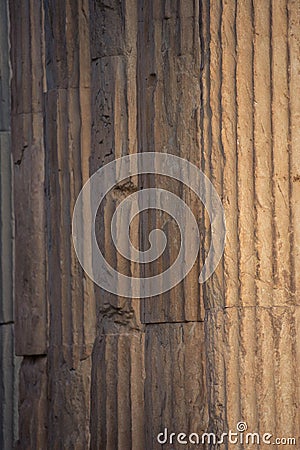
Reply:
x=118, y=351
x=228, y=130
x=293, y=12
x=72, y=320
x=262, y=142
x=245, y=180
x=170, y=88
x=259, y=321
x=263, y=207
x=28, y=156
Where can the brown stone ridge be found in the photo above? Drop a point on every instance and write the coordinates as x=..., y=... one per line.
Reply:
x=84, y=82
x=9, y=363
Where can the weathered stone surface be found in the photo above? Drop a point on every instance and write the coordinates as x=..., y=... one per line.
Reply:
x=29, y=177
x=9, y=384
x=217, y=83
x=117, y=387
x=169, y=54
x=68, y=405
x=4, y=68
x=55, y=311
x=117, y=391
x=6, y=295
x=253, y=369
x=9, y=364
x=252, y=300
x=6, y=210
x=33, y=409
x=72, y=313
x=175, y=387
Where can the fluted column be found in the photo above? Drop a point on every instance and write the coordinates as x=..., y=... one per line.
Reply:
x=169, y=94
x=216, y=83
x=30, y=327
x=250, y=107
x=70, y=293
x=117, y=392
